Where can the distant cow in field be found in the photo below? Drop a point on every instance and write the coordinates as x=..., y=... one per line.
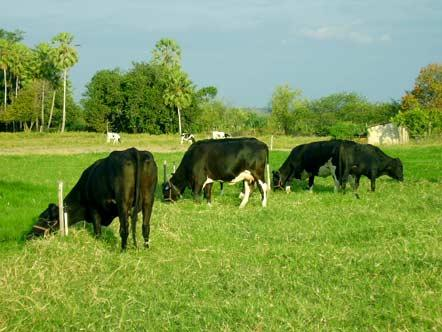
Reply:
x=113, y=138
x=232, y=160
x=310, y=160
x=187, y=137
x=365, y=159
x=111, y=187
x=219, y=135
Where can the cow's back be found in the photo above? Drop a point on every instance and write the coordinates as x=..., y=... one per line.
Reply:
x=228, y=157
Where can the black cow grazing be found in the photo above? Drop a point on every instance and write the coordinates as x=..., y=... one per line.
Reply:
x=111, y=187
x=231, y=160
x=310, y=160
x=365, y=159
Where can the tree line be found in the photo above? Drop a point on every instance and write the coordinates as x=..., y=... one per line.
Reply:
x=158, y=96
x=30, y=75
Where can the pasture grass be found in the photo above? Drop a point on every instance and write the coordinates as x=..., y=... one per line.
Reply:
x=321, y=261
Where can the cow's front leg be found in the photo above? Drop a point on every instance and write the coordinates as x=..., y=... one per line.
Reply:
x=311, y=182
x=96, y=220
x=373, y=183
x=208, y=193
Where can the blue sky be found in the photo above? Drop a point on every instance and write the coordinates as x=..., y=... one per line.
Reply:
x=246, y=48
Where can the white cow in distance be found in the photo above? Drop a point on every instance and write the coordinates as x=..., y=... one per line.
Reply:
x=113, y=138
x=219, y=134
x=187, y=137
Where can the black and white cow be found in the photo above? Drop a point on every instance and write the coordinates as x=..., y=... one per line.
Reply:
x=310, y=160
x=113, y=138
x=365, y=159
x=111, y=187
x=219, y=135
x=231, y=160
x=187, y=137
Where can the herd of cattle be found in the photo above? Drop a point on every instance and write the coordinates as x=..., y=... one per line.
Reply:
x=124, y=182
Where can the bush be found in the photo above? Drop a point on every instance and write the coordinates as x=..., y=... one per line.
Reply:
x=420, y=122
x=345, y=130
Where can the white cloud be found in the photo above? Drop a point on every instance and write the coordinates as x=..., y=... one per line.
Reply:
x=343, y=33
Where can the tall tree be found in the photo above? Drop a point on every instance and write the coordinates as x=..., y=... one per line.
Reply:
x=47, y=72
x=283, y=100
x=65, y=56
x=178, y=92
x=167, y=53
x=21, y=65
x=7, y=41
x=427, y=91
x=5, y=62
x=179, y=89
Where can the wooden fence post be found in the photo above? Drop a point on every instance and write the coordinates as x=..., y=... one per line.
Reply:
x=164, y=171
x=66, y=227
x=271, y=143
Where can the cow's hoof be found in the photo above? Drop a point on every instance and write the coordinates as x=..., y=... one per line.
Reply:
x=146, y=245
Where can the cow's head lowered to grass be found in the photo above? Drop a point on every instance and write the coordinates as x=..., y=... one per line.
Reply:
x=395, y=169
x=170, y=192
x=48, y=221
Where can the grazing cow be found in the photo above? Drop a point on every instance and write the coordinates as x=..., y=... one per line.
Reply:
x=310, y=160
x=113, y=137
x=365, y=159
x=111, y=187
x=187, y=137
x=219, y=135
x=231, y=160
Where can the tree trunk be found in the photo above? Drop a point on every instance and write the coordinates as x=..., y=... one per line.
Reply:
x=63, y=121
x=52, y=109
x=16, y=87
x=179, y=120
x=6, y=88
x=42, y=107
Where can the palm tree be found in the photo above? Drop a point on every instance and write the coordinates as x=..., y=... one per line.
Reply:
x=167, y=53
x=179, y=89
x=5, y=60
x=178, y=92
x=65, y=56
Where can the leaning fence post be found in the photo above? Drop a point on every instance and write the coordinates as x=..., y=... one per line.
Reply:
x=60, y=208
x=271, y=143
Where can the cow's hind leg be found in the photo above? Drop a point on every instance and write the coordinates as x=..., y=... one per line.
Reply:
x=124, y=224
x=246, y=194
x=262, y=186
x=133, y=227
x=147, y=212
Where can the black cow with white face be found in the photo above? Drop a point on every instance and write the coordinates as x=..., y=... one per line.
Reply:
x=371, y=161
x=231, y=160
x=111, y=187
x=310, y=160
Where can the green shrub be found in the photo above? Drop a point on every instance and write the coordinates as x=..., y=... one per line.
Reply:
x=342, y=130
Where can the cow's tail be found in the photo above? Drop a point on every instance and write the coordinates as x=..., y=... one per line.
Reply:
x=341, y=166
x=267, y=174
x=137, y=195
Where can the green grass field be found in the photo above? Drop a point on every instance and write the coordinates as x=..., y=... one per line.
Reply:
x=321, y=261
